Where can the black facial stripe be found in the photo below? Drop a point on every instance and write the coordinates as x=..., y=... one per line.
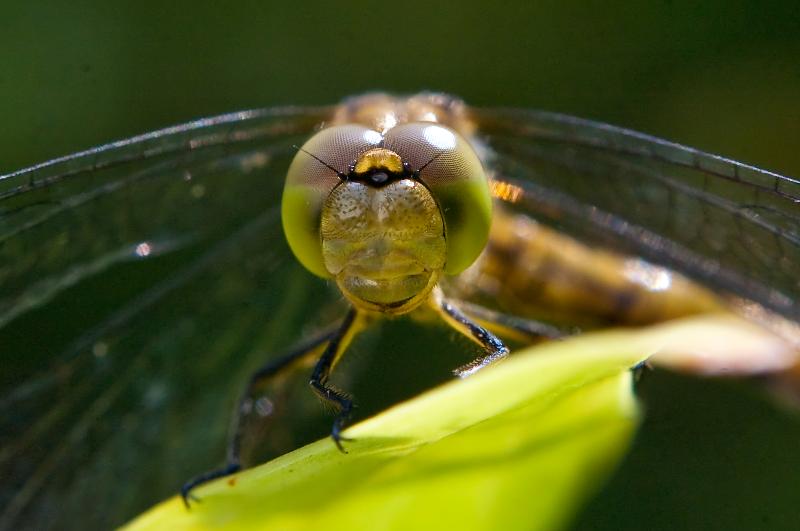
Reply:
x=379, y=177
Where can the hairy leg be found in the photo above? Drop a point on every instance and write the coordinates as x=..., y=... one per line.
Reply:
x=353, y=323
x=491, y=344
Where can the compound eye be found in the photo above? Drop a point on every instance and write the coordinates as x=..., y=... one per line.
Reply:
x=315, y=171
x=450, y=168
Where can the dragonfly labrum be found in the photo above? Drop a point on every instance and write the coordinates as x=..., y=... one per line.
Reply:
x=151, y=265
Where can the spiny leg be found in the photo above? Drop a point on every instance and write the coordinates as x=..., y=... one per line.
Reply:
x=353, y=323
x=512, y=326
x=262, y=376
x=495, y=349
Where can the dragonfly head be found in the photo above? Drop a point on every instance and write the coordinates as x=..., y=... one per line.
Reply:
x=386, y=214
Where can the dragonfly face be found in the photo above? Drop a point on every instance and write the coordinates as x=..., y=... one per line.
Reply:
x=139, y=280
x=389, y=213
x=385, y=246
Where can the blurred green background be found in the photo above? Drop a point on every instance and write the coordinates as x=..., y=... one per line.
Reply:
x=722, y=76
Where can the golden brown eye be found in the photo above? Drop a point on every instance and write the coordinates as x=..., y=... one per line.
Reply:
x=451, y=169
x=311, y=177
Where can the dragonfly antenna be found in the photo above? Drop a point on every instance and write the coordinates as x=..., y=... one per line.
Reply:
x=341, y=175
x=426, y=164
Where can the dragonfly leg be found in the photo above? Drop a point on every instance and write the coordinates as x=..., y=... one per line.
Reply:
x=494, y=347
x=640, y=368
x=522, y=329
x=259, y=378
x=352, y=324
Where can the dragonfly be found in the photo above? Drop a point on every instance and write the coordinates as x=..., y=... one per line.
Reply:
x=143, y=279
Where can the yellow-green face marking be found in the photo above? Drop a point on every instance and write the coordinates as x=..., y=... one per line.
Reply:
x=386, y=215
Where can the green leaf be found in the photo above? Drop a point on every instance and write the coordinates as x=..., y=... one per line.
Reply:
x=517, y=446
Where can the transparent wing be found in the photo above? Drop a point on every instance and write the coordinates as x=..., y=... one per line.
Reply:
x=726, y=224
x=140, y=282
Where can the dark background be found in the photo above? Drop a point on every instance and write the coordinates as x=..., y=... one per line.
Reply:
x=721, y=76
